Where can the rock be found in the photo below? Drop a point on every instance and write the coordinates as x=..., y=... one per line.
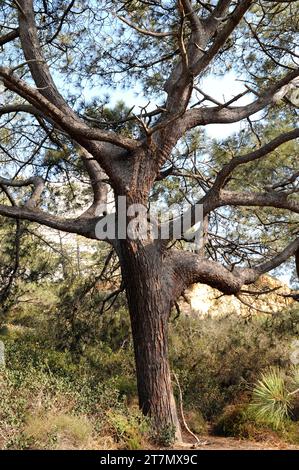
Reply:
x=206, y=300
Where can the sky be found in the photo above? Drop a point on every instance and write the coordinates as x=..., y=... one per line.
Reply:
x=220, y=88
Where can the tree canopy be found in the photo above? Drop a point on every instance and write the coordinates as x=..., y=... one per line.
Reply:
x=63, y=145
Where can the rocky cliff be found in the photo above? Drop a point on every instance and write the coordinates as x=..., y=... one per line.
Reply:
x=265, y=296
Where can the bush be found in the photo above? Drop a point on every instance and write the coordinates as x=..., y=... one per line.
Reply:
x=57, y=431
x=233, y=422
x=274, y=399
x=164, y=436
x=49, y=401
x=196, y=422
x=131, y=430
x=271, y=401
x=217, y=357
x=98, y=386
x=238, y=421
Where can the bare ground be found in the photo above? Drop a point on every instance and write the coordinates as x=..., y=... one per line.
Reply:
x=230, y=443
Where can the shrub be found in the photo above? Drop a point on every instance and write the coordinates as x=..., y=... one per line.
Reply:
x=238, y=421
x=47, y=399
x=274, y=400
x=164, y=436
x=57, y=431
x=271, y=401
x=233, y=422
x=196, y=422
x=216, y=357
x=129, y=430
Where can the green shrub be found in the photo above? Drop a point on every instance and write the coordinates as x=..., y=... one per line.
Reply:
x=217, y=357
x=130, y=430
x=275, y=397
x=291, y=433
x=164, y=436
x=57, y=431
x=238, y=421
x=271, y=400
x=232, y=422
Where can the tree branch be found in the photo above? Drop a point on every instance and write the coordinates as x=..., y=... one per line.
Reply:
x=219, y=115
x=9, y=37
x=20, y=108
x=252, y=156
x=64, y=15
x=100, y=189
x=249, y=199
x=222, y=36
x=67, y=121
x=38, y=187
x=84, y=227
x=36, y=61
x=144, y=31
x=190, y=268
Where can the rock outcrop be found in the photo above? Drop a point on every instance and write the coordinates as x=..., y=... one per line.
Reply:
x=267, y=295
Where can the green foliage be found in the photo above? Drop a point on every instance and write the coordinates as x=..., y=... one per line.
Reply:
x=50, y=401
x=97, y=386
x=118, y=118
x=271, y=401
x=59, y=431
x=274, y=399
x=196, y=422
x=238, y=421
x=129, y=430
x=233, y=422
x=164, y=436
x=228, y=353
x=291, y=433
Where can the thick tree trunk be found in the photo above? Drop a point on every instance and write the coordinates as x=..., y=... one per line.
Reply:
x=149, y=306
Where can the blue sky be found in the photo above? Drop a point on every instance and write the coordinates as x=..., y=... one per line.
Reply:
x=220, y=88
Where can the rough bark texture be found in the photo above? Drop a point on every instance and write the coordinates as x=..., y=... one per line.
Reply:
x=154, y=274
x=149, y=305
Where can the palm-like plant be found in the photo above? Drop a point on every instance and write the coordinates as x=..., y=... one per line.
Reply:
x=271, y=400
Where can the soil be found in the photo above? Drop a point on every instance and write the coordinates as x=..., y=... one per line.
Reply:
x=230, y=443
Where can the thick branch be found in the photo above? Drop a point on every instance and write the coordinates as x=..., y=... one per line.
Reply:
x=73, y=125
x=273, y=263
x=84, y=227
x=190, y=268
x=100, y=188
x=36, y=61
x=38, y=187
x=20, y=108
x=252, y=156
x=250, y=199
x=216, y=198
x=53, y=105
x=9, y=37
x=226, y=115
x=222, y=36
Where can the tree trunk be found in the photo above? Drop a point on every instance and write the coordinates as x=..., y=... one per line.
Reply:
x=149, y=306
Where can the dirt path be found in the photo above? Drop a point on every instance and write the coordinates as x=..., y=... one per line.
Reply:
x=230, y=443
x=212, y=442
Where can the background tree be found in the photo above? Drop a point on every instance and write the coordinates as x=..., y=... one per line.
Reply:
x=54, y=55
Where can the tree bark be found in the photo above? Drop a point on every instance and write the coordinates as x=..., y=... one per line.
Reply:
x=149, y=302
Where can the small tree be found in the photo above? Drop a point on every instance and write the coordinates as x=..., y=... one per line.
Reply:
x=166, y=47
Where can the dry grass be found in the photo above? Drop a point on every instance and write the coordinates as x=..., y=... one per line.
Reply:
x=58, y=431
